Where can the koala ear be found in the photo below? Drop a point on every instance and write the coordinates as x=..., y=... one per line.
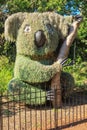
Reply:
x=12, y=24
x=64, y=25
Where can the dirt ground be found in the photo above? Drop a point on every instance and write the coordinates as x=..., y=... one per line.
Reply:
x=82, y=126
x=30, y=119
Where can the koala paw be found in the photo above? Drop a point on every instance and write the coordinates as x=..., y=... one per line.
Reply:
x=78, y=18
x=51, y=94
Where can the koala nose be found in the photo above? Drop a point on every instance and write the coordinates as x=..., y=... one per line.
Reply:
x=39, y=38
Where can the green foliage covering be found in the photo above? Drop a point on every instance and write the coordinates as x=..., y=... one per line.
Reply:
x=33, y=71
x=30, y=94
x=8, y=48
x=35, y=65
x=58, y=23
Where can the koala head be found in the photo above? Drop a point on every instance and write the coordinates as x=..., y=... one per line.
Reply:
x=37, y=35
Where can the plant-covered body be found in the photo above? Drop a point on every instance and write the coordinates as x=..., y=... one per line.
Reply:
x=38, y=37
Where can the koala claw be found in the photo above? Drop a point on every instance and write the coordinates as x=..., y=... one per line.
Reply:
x=51, y=94
x=78, y=18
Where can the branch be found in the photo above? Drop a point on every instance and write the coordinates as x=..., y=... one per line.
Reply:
x=64, y=51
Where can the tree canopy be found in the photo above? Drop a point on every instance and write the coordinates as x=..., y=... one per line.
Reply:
x=34, y=5
x=60, y=6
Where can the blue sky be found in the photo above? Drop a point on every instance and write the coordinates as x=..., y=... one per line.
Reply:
x=74, y=9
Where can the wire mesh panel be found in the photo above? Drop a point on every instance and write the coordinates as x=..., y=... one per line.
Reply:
x=16, y=114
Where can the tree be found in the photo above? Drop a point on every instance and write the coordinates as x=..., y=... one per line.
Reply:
x=63, y=54
x=35, y=5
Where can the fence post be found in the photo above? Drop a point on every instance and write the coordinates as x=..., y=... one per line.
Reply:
x=57, y=102
x=55, y=84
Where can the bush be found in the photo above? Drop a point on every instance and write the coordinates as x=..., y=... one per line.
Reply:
x=6, y=48
x=2, y=39
x=10, y=51
x=6, y=72
x=79, y=72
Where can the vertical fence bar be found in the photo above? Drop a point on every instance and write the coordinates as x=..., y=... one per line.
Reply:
x=84, y=109
x=45, y=116
x=30, y=111
x=56, y=107
x=36, y=123
x=50, y=116
x=65, y=89
x=25, y=92
x=14, y=108
x=1, y=118
x=76, y=107
x=8, y=108
x=69, y=103
x=73, y=109
x=40, y=111
x=19, y=108
x=80, y=105
x=61, y=116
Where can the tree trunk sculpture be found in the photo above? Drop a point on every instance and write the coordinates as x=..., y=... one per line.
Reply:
x=63, y=54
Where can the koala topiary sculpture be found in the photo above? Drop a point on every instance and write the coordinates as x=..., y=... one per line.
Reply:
x=38, y=38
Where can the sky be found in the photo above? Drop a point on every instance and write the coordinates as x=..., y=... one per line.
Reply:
x=74, y=10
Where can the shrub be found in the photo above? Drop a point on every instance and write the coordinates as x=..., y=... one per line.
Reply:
x=6, y=72
x=79, y=72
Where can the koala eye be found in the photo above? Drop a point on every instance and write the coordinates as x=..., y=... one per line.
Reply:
x=49, y=28
x=27, y=28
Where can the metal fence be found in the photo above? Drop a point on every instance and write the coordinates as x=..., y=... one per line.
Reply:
x=16, y=115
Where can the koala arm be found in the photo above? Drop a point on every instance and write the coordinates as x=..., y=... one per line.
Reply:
x=69, y=40
x=33, y=71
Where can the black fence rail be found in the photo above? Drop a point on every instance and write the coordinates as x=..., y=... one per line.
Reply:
x=15, y=114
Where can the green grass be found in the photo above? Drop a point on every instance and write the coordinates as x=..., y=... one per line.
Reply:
x=6, y=73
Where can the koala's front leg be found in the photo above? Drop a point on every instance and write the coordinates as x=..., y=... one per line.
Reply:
x=30, y=94
x=50, y=95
